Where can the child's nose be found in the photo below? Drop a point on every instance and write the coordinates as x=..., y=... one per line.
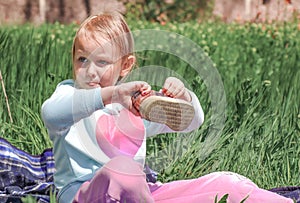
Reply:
x=91, y=71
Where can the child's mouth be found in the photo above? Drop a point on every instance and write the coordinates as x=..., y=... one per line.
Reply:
x=93, y=84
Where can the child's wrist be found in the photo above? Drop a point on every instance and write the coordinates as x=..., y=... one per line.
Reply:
x=107, y=94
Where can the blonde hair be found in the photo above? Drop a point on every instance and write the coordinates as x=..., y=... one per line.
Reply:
x=110, y=26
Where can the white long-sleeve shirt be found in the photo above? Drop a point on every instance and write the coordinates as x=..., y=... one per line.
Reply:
x=73, y=118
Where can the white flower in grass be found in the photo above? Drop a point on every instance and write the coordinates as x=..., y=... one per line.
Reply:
x=159, y=46
x=215, y=43
x=206, y=49
x=203, y=42
x=267, y=82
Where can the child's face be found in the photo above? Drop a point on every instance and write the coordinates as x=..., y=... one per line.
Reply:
x=96, y=66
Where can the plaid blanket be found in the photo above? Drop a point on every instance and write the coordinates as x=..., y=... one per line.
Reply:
x=23, y=174
x=290, y=192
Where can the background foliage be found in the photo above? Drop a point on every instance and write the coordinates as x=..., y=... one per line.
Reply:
x=168, y=10
x=260, y=69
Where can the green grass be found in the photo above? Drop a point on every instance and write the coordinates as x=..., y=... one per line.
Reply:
x=260, y=69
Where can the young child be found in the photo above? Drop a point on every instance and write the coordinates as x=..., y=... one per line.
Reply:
x=99, y=135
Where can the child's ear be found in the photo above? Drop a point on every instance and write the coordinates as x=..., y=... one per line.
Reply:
x=127, y=65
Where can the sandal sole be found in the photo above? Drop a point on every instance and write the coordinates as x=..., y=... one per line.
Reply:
x=175, y=113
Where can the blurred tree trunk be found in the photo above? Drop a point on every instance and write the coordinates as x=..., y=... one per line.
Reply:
x=87, y=7
x=247, y=7
x=27, y=10
x=42, y=8
x=61, y=10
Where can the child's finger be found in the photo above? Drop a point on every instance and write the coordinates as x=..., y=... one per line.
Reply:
x=178, y=92
x=133, y=110
x=145, y=90
x=168, y=93
x=172, y=86
x=168, y=87
x=137, y=86
x=146, y=86
x=172, y=91
x=167, y=84
x=142, y=86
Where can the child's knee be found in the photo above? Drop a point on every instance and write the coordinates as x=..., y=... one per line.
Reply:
x=123, y=172
x=231, y=178
x=126, y=179
x=124, y=165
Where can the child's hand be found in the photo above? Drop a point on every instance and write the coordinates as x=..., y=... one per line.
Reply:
x=175, y=88
x=124, y=92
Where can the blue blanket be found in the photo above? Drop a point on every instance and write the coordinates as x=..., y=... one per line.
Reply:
x=292, y=192
x=23, y=174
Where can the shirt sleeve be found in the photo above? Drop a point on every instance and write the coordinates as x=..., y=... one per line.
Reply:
x=68, y=105
x=153, y=128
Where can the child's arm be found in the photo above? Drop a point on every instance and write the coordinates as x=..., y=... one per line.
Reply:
x=68, y=105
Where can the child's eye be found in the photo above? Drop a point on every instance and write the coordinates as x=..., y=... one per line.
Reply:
x=102, y=63
x=82, y=59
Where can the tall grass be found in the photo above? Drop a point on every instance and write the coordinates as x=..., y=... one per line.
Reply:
x=260, y=68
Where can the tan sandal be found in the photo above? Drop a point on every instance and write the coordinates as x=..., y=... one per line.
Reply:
x=177, y=114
